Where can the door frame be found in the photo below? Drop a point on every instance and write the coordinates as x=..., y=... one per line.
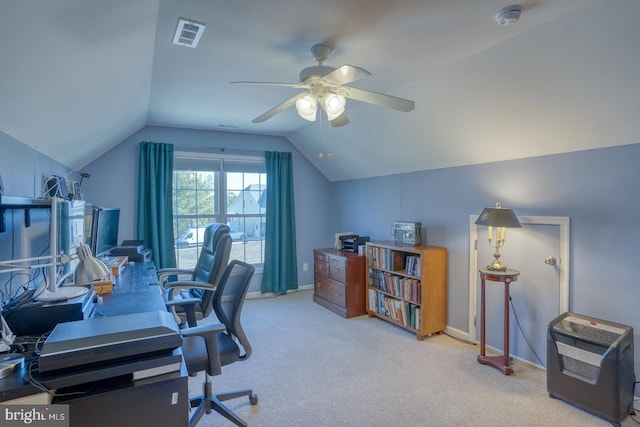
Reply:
x=563, y=263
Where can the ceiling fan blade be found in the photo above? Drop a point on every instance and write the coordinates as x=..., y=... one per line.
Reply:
x=296, y=85
x=341, y=120
x=278, y=108
x=345, y=74
x=389, y=101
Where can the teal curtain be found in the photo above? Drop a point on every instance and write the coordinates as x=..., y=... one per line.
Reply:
x=280, y=261
x=155, y=212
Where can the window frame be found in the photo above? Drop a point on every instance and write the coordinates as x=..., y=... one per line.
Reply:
x=220, y=164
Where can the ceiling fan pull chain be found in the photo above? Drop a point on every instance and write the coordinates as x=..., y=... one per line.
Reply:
x=321, y=153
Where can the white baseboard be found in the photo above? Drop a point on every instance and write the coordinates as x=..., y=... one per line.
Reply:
x=458, y=334
x=464, y=336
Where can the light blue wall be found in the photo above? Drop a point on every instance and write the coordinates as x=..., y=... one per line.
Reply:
x=24, y=171
x=114, y=178
x=596, y=189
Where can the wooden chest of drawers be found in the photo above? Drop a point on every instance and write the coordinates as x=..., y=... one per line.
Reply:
x=340, y=281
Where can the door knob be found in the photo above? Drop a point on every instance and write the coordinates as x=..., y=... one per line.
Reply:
x=550, y=260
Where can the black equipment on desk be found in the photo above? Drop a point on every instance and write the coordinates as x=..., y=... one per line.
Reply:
x=101, y=340
x=590, y=365
x=350, y=243
x=132, y=249
x=37, y=318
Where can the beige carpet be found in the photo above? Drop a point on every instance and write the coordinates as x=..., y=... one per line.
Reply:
x=311, y=368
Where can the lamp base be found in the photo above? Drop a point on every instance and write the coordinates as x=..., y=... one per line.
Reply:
x=497, y=265
x=62, y=294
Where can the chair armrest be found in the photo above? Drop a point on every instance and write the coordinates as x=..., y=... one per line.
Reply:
x=174, y=271
x=189, y=307
x=182, y=302
x=185, y=303
x=163, y=273
x=194, y=284
x=203, y=330
x=209, y=333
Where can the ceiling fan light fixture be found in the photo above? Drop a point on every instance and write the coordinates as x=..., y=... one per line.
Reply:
x=307, y=107
x=333, y=105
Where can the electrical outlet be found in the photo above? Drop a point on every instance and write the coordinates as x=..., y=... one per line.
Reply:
x=305, y=267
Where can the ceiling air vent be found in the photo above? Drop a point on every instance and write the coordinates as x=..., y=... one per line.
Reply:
x=188, y=33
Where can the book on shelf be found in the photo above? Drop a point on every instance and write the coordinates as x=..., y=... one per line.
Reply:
x=406, y=288
x=412, y=265
x=385, y=258
x=402, y=312
x=395, y=260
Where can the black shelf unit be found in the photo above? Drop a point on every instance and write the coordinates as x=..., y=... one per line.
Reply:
x=25, y=203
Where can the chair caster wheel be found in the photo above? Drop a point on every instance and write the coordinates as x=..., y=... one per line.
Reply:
x=253, y=399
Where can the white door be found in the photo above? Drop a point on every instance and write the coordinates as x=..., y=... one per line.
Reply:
x=539, y=250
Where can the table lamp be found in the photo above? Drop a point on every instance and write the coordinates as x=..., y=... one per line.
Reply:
x=500, y=218
x=89, y=269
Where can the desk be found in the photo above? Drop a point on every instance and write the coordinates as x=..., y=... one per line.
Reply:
x=507, y=277
x=159, y=400
x=135, y=290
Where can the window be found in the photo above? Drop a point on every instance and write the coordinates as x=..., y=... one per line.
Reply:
x=219, y=188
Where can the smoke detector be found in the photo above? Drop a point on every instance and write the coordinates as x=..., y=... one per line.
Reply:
x=509, y=15
x=188, y=32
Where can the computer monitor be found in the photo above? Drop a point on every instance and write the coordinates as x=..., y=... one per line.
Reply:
x=71, y=233
x=104, y=233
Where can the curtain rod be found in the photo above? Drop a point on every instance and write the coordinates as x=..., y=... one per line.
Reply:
x=218, y=149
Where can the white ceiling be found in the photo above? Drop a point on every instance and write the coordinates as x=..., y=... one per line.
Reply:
x=79, y=76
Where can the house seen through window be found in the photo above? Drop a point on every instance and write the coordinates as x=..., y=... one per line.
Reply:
x=230, y=190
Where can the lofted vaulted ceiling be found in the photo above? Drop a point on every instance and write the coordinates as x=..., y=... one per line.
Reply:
x=79, y=76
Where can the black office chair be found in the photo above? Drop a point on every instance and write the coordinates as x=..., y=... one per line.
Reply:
x=192, y=298
x=209, y=347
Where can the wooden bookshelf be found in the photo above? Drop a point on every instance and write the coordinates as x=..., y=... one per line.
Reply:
x=407, y=286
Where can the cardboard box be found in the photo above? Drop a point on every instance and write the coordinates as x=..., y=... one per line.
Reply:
x=103, y=287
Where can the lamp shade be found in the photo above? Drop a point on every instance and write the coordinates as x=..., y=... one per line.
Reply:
x=498, y=217
x=89, y=268
x=333, y=105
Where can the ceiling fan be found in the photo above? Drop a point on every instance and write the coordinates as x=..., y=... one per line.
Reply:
x=325, y=86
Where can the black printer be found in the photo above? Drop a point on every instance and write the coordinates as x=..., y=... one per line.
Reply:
x=351, y=243
x=132, y=249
